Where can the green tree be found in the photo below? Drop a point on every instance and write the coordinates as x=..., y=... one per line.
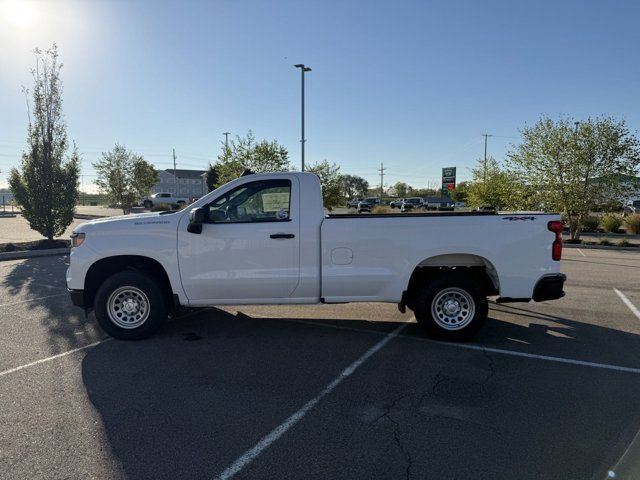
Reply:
x=572, y=168
x=46, y=186
x=461, y=192
x=124, y=177
x=401, y=189
x=354, y=186
x=211, y=177
x=501, y=188
x=330, y=181
x=245, y=153
x=144, y=177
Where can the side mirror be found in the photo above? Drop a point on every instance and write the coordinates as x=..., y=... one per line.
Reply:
x=196, y=219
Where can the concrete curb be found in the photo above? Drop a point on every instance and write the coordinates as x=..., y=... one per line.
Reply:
x=82, y=216
x=600, y=247
x=33, y=253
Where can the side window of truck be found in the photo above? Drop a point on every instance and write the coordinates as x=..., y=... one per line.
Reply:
x=260, y=201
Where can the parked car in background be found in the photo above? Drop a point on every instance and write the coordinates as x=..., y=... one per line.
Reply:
x=411, y=204
x=353, y=203
x=632, y=207
x=163, y=198
x=397, y=203
x=486, y=208
x=460, y=204
x=368, y=203
x=446, y=207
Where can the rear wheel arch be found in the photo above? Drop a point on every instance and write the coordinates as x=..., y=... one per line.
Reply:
x=104, y=268
x=476, y=267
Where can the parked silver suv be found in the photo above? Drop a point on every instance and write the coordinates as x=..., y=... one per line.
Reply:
x=632, y=207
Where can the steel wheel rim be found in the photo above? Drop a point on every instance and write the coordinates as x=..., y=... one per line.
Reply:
x=128, y=307
x=453, y=308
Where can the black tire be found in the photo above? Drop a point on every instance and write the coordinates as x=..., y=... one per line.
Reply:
x=147, y=204
x=457, y=284
x=156, y=309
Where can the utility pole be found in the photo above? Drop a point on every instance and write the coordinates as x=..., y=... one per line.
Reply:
x=226, y=141
x=382, y=169
x=303, y=69
x=174, y=170
x=486, y=136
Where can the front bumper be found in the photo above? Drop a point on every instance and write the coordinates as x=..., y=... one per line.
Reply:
x=77, y=297
x=549, y=287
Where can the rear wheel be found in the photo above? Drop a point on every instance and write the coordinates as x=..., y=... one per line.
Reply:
x=451, y=307
x=129, y=305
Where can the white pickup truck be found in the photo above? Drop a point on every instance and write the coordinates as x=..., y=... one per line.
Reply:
x=265, y=239
x=163, y=198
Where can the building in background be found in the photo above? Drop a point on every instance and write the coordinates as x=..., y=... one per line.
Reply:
x=186, y=183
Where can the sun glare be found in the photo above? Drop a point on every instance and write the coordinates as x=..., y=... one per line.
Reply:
x=19, y=12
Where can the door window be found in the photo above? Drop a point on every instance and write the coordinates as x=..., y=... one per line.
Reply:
x=261, y=201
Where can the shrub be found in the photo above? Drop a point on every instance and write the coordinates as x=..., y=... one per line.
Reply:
x=382, y=209
x=624, y=243
x=611, y=223
x=163, y=207
x=632, y=223
x=590, y=224
x=605, y=242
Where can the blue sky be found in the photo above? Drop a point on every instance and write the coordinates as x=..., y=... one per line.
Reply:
x=410, y=84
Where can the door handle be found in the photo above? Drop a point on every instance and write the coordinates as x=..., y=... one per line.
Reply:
x=282, y=235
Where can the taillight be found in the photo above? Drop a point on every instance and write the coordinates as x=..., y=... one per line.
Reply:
x=556, y=247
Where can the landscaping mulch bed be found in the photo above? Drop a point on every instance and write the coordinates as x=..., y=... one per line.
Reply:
x=35, y=245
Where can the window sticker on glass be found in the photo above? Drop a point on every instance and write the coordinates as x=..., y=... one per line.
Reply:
x=275, y=201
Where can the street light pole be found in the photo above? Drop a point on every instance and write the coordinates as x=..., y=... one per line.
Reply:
x=226, y=140
x=303, y=69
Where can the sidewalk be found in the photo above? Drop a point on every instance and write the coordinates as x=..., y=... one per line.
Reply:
x=16, y=229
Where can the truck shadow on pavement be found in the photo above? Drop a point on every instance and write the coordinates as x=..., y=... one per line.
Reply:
x=187, y=402
x=38, y=286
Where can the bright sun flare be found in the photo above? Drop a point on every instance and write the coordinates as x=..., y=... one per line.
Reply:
x=19, y=12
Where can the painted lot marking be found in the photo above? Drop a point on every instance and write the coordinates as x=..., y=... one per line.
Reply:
x=628, y=303
x=581, y=252
x=69, y=352
x=482, y=348
x=33, y=299
x=247, y=457
x=48, y=359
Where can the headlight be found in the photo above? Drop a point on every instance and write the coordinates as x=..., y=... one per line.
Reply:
x=77, y=239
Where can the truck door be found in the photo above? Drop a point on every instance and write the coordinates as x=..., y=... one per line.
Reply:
x=249, y=246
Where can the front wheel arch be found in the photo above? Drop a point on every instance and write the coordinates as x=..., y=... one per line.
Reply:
x=106, y=267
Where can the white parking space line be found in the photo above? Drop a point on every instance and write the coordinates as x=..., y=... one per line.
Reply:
x=628, y=303
x=548, y=358
x=48, y=359
x=482, y=348
x=581, y=252
x=247, y=457
x=33, y=299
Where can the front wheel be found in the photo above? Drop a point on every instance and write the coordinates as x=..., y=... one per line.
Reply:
x=129, y=305
x=451, y=307
x=147, y=204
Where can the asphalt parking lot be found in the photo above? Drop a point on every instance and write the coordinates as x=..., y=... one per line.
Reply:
x=547, y=390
